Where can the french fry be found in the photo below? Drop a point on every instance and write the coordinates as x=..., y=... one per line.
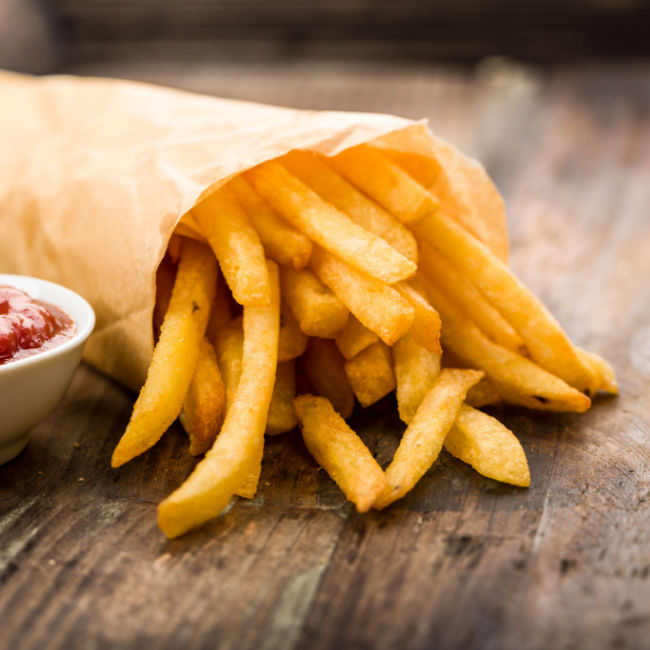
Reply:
x=175, y=355
x=317, y=309
x=327, y=226
x=282, y=242
x=386, y=183
x=426, y=322
x=460, y=290
x=425, y=435
x=339, y=451
x=421, y=168
x=230, y=348
x=221, y=312
x=602, y=368
x=488, y=446
x=314, y=171
x=517, y=379
x=416, y=369
x=293, y=341
x=324, y=367
x=545, y=340
x=483, y=394
x=376, y=305
x=371, y=373
x=237, y=450
x=236, y=246
x=282, y=415
x=202, y=412
x=354, y=337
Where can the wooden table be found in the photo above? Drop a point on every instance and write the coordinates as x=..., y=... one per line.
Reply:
x=462, y=562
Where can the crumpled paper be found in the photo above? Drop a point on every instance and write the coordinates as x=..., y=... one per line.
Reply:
x=95, y=174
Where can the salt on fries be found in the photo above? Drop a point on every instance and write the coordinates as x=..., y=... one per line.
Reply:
x=340, y=278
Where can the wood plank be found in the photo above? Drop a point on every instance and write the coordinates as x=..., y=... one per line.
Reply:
x=461, y=562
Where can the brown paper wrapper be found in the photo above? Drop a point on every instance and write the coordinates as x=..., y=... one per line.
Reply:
x=95, y=175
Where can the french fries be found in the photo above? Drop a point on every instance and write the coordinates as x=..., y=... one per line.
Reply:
x=327, y=226
x=317, y=309
x=426, y=321
x=236, y=246
x=175, y=355
x=426, y=433
x=371, y=373
x=354, y=337
x=201, y=415
x=469, y=299
x=281, y=241
x=489, y=447
x=340, y=451
x=416, y=368
x=385, y=182
x=376, y=287
x=517, y=378
x=376, y=305
x=236, y=452
x=320, y=177
x=282, y=416
x=293, y=341
x=543, y=336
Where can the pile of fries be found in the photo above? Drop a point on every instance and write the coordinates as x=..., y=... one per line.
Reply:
x=308, y=284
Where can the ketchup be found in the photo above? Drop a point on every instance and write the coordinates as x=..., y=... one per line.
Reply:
x=29, y=326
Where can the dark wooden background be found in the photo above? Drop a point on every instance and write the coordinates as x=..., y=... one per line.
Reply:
x=462, y=562
x=41, y=35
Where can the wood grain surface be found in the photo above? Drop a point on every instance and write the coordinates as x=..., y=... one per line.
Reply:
x=461, y=562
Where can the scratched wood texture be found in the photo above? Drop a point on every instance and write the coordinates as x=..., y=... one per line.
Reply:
x=462, y=562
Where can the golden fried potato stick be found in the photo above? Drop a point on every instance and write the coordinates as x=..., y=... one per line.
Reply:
x=416, y=369
x=221, y=312
x=314, y=171
x=202, y=412
x=317, y=309
x=230, y=349
x=293, y=341
x=426, y=323
x=236, y=453
x=376, y=305
x=602, y=368
x=423, y=169
x=282, y=242
x=460, y=290
x=229, y=346
x=483, y=394
x=327, y=226
x=383, y=181
x=371, y=373
x=323, y=365
x=518, y=379
x=354, y=337
x=236, y=245
x=488, y=446
x=424, y=436
x=282, y=416
x=339, y=451
x=545, y=339
x=175, y=355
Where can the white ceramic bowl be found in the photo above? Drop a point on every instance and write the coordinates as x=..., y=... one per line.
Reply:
x=31, y=387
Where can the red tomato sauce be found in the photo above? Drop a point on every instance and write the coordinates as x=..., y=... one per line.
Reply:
x=29, y=326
